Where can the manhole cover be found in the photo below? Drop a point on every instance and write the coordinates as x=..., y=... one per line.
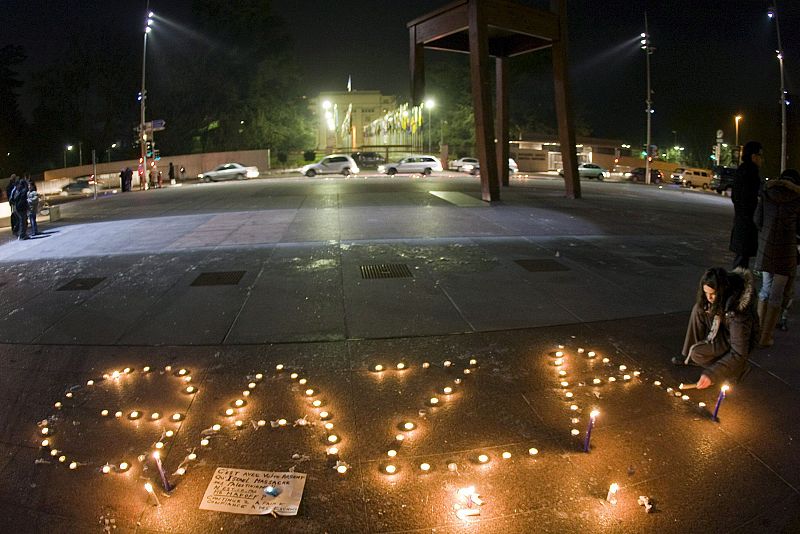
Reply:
x=80, y=284
x=541, y=266
x=222, y=278
x=386, y=270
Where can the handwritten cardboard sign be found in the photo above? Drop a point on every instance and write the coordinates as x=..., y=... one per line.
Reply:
x=241, y=491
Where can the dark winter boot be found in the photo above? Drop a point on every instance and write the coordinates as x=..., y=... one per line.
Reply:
x=762, y=311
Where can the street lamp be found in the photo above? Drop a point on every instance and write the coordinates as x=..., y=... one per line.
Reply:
x=736, y=120
x=430, y=103
x=772, y=13
x=648, y=50
x=142, y=98
x=108, y=151
x=66, y=148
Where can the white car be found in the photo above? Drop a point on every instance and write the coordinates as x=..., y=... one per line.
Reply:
x=333, y=164
x=459, y=164
x=413, y=164
x=474, y=168
x=229, y=171
x=590, y=170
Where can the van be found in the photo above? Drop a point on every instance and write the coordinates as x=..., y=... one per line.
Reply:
x=690, y=177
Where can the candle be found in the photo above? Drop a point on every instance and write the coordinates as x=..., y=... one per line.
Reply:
x=259, y=376
x=722, y=391
x=612, y=493
x=118, y=414
x=177, y=417
x=149, y=488
x=279, y=367
x=434, y=401
x=701, y=404
x=473, y=362
x=559, y=354
x=169, y=433
x=104, y=413
x=447, y=390
x=106, y=469
x=161, y=472
x=317, y=403
x=238, y=403
x=391, y=453
x=238, y=423
x=425, y=365
x=302, y=381
x=204, y=442
x=328, y=426
x=606, y=360
x=379, y=368
x=73, y=465
x=401, y=366
x=246, y=393
x=575, y=431
x=123, y=466
x=569, y=394
x=657, y=383
x=448, y=363
x=564, y=384
x=341, y=469
x=686, y=386
x=425, y=467
x=159, y=445
x=592, y=418
x=309, y=392
x=229, y=412
x=581, y=350
x=533, y=451
x=45, y=442
x=623, y=367
x=333, y=438
x=324, y=415
x=506, y=455
x=190, y=389
x=282, y=422
x=390, y=469
x=192, y=456
x=399, y=437
x=146, y=369
x=180, y=471
x=155, y=415
x=483, y=458
x=134, y=415
x=262, y=422
x=333, y=451
x=409, y=425
x=293, y=376
x=182, y=372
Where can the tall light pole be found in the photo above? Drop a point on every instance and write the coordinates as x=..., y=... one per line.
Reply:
x=772, y=13
x=429, y=103
x=648, y=50
x=142, y=98
x=736, y=121
x=66, y=148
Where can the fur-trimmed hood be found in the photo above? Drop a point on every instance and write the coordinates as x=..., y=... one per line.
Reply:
x=741, y=292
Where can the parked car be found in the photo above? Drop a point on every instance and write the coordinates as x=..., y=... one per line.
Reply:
x=689, y=177
x=422, y=164
x=333, y=164
x=368, y=159
x=229, y=171
x=458, y=164
x=589, y=170
x=475, y=168
x=637, y=175
x=723, y=177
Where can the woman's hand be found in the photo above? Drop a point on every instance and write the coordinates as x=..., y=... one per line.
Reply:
x=704, y=382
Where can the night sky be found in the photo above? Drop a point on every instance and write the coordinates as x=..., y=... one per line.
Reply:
x=712, y=59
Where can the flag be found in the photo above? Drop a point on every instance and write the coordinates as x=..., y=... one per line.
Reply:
x=349, y=84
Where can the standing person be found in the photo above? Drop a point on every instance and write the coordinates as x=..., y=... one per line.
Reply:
x=723, y=327
x=744, y=194
x=171, y=174
x=33, y=208
x=128, y=178
x=776, y=218
x=12, y=183
x=20, y=199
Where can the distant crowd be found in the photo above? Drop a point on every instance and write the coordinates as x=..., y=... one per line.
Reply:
x=24, y=202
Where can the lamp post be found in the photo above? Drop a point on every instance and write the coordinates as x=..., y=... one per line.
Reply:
x=772, y=13
x=142, y=98
x=648, y=50
x=108, y=151
x=66, y=148
x=736, y=121
x=429, y=103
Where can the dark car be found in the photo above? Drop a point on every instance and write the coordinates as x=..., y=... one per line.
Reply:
x=722, y=179
x=637, y=175
x=368, y=159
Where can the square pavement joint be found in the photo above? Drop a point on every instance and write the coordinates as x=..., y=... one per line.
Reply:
x=386, y=270
x=541, y=265
x=80, y=284
x=222, y=278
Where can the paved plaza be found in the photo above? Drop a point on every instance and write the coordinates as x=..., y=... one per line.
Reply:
x=403, y=322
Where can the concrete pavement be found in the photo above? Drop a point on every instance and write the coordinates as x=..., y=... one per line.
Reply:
x=330, y=277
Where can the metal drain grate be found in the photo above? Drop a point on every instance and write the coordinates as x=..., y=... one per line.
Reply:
x=541, y=266
x=80, y=284
x=222, y=278
x=386, y=270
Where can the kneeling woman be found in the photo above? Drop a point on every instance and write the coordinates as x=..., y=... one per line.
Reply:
x=723, y=327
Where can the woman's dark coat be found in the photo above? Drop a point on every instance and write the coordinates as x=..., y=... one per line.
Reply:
x=776, y=218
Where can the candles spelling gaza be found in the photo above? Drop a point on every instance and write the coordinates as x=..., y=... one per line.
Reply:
x=592, y=418
x=722, y=391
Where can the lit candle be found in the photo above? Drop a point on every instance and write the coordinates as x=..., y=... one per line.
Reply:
x=182, y=372
x=626, y=377
x=391, y=453
x=612, y=493
x=302, y=381
x=106, y=469
x=126, y=370
x=558, y=361
x=596, y=381
x=425, y=365
x=161, y=472
x=118, y=414
x=592, y=418
x=401, y=366
x=73, y=465
x=204, y=442
x=559, y=354
x=260, y=376
x=279, y=367
x=623, y=367
x=467, y=371
x=333, y=451
x=177, y=417
x=581, y=350
x=134, y=415
x=190, y=389
x=69, y=395
x=333, y=438
x=328, y=426
x=282, y=422
x=317, y=403
x=379, y=368
x=569, y=394
x=45, y=431
x=573, y=407
x=146, y=369
x=54, y=452
x=324, y=415
x=155, y=415
x=309, y=392
x=238, y=403
x=564, y=384
x=447, y=390
x=473, y=362
x=591, y=354
x=293, y=376
x=123, y=466
x=612, y=379
x=150, y=492
x=399, y=437
x=45, y=442
x=434, y=401
x=722, y=391
x=341, y=469
x=425, y=467
x=447, y=363
x=562, y=373
x=575, y=431
x=533, y=451
x=229, y=412
x=409, y=425
x=701, y=404
x=506, y=455
x=390, y=469
x=262, y=422
x=192, y=456
x=104, y=413
x=483, y=458
x=90, y=382
x=216, y=427
x=180, y=471
x=251, y=385
x=246, y=393
x=657, y=383
x=606, y=360
x=169, y=433
x=685, y=397
x=238, y=423
x=159, y=445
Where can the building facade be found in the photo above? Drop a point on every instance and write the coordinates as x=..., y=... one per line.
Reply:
x=342, y=115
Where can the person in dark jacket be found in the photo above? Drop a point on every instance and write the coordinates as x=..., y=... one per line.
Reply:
x=723, y=326
x=776, y=219
x=19, y=199
x=744, y=194
x=12, y=183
